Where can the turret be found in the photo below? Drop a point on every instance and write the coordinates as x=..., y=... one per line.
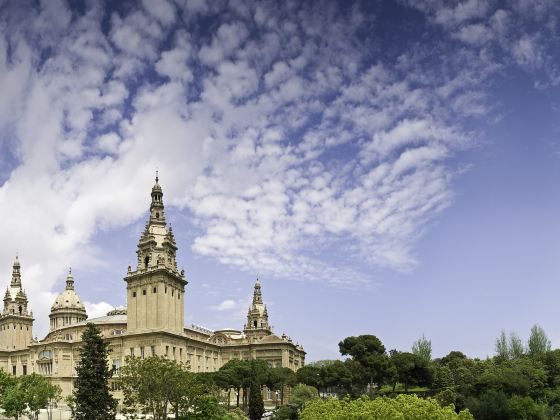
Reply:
x=155, y=289
x=16, y=321
x=257, y=317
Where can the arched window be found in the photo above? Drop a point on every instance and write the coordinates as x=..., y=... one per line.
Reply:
x=20, y=310
x=255, y=323
x=157, y=215
x=146, y=261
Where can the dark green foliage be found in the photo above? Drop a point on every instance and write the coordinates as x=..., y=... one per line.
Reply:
x=369, y=353
x=410, y=369
x=91, y=393
x=256, y=404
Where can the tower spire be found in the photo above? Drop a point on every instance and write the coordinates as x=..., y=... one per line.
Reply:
x=70, y=280
x=16, y=273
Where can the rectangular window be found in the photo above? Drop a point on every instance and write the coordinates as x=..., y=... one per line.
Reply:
x=133, y=294
x=132, y=351
x=142, y=352
x=14, y=370
x=155, y=289
x=153, y=350
x=116, y=366
x=172, y=290
x=166, y=351
x=174, y=352
x=25, y=369
x=144, y=292
x=165, y=289
x=178, y=295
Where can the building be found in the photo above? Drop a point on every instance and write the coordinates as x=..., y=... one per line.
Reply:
x=151, y=324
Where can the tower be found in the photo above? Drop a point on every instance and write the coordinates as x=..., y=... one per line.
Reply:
x=68, y=308
x=257, y=318
x=155, y=290
x=16, y=322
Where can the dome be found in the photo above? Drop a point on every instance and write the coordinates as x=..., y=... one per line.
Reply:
x=68, y=299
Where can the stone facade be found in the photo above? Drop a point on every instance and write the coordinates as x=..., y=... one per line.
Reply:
x=151, y=324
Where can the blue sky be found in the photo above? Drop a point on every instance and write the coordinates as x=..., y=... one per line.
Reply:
x=387, y=167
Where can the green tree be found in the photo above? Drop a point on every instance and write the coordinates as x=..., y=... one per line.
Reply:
x=279, y=378
x=538, y=343
x=154, y=384
x=92, y=398
x=256, y=404
x=309, y=375
x=423, y=348
x=502, y=346
x=516, y=347
x=411, y=369
x=369, y=352
x=39, y=394
x=13, y=400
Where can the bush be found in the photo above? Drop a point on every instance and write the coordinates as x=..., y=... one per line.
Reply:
x=403, y=406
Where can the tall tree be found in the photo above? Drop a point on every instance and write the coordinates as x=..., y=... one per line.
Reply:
x=538, y=343
x=256, y=404
x=502, y=346
x=92, y=399
x=369, y=352
x=423, y=348
x=516, y=347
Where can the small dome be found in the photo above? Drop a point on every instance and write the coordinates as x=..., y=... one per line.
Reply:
x=68, y=299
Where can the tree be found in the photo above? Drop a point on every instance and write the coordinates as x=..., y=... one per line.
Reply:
x=502, y=347
x=151, y=385
x=278, y=378
x=516, y=348
x=538, y=343
x=256, y=404
x=369, y=352
x=39, y=394
x=423, y=348
x=411, y=369
x=309, y=375
x=13, y=400
x=92, y=399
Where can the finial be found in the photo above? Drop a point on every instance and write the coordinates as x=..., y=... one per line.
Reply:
x=157, y=176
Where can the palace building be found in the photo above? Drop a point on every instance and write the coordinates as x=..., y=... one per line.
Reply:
x=151, y=324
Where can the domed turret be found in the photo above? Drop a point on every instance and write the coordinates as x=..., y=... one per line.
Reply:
x=68, y=308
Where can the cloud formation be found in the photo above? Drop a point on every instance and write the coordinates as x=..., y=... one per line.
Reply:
x=288, y=132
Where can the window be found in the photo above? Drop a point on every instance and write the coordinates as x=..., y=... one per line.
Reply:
x=181, y=354
x=178, y=295
x=132, y=351
x=144, y=292
x=153, y=350
x=25, y=369
x=14, y=370
x=142, y=352
x=155, y=290
x=133, y=294
x=172, y=290
x=165, y=289
x=166, y=351
x=174, y=352
x=116, y=366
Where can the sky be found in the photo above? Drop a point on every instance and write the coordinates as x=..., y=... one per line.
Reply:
x=384, y=167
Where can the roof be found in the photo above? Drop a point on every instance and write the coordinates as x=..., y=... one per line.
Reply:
x=107, y=319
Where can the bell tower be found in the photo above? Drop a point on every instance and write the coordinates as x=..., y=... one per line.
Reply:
x=257, y=318
x=16, y=321
x=155, y=289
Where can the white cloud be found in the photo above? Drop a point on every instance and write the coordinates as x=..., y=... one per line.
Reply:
x=225, y=305
x=95, y=310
